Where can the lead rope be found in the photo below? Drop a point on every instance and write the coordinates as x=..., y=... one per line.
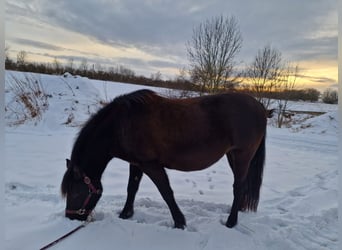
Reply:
x=89, y=219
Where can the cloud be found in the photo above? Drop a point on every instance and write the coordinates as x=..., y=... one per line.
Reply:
x=322, y=48
x=120, y=22
x=318, y=79
x=162, y=28
x=37, y=44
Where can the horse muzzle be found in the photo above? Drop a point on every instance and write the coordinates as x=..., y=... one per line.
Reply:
x=90, y=202
x=80, y=214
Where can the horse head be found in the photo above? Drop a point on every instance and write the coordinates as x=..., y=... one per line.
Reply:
x=81, y=192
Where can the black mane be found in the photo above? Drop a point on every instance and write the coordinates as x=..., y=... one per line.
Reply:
x=142, y=96
x=95, y=123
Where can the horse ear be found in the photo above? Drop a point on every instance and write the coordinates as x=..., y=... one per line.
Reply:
x=76, y=172
x=68, y=163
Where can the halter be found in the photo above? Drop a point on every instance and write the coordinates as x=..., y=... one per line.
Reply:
x=92, y=191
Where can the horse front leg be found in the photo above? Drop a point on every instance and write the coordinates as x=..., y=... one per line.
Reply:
x=135, y=175
x=161, y=180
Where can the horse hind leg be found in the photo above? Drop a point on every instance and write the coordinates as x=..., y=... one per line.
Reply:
x=135, y=175
x=239, y=163
x=248, y=169
x=243, y=201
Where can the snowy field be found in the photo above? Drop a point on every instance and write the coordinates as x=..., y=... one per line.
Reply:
x=298, y=207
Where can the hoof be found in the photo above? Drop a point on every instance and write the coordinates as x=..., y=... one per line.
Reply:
x=231, y=223
x=180, y=225
x=126, y=214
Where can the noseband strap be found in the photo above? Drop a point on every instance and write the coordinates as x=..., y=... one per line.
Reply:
x=92, y=191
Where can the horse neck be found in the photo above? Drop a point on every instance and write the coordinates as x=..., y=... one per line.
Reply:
x=96, y=144
x=92, y=162
x=94, y=170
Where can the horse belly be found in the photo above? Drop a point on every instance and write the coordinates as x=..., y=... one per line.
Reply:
x=194, y=161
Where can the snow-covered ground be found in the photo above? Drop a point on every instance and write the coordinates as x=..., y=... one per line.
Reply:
x=298, y=207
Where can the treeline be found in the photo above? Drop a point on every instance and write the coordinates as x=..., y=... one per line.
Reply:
x=307, y=94
x=115, y=74
x=126, y=75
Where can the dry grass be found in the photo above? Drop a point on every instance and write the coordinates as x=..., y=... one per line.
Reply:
x=28, y=100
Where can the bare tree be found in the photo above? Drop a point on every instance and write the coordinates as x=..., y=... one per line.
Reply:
x=57, y=66
x=156, y=76
x=286, y=84
x=211, y=52
x=8, y=62
x=125, y=71
x=269, y=74
x=21, y=58
x=99, y=68
x=264, y=73
x=70, y=66
x=84, y=66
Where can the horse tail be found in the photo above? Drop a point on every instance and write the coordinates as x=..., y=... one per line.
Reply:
x=253, y=180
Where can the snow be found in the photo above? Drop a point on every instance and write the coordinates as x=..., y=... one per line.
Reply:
x=298, y=207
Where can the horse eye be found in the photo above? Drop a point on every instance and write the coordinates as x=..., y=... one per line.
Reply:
x=74, y=192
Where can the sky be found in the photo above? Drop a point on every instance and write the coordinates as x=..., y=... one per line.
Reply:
x=151, y=36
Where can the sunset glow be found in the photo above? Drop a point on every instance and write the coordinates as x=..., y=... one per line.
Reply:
x=150, y=38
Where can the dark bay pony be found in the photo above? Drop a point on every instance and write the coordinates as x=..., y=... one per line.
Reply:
x=153, y=133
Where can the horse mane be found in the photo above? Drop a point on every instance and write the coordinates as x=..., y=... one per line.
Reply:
x=143, y=96
x=124, y=103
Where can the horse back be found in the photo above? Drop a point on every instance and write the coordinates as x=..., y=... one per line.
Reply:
x=191, y=134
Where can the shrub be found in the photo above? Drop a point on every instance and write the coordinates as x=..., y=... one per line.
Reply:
x=330, y=96
x=28, y=99
x=310, y=94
